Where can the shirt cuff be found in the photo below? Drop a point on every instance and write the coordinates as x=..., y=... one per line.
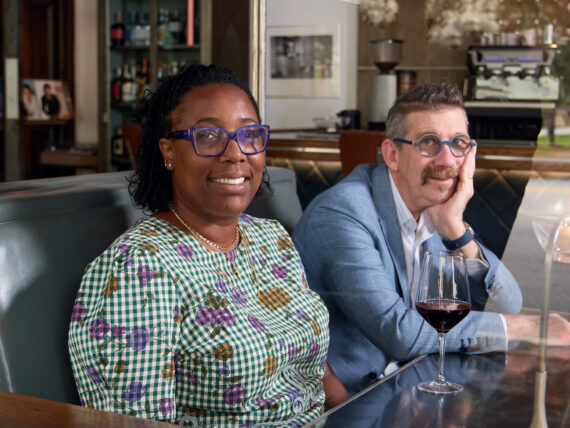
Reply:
x=504, y=321
x=477, y=265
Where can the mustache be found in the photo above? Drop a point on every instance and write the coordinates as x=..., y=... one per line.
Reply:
x=439, y=172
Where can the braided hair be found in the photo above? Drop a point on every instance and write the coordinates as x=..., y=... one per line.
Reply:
x=150, y=186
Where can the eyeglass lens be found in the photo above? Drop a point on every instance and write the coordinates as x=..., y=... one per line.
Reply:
x=212, y=141
x=431, y=145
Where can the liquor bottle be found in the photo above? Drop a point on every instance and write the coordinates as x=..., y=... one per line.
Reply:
x=129, y=87
x=146, y=30
x=130, y=29
x=159, y=72
x=116, y=84
x=175, y=28
x=117, y=143
x=138, y=36
x=118, y=31
x=162, y=26
x=143, y=78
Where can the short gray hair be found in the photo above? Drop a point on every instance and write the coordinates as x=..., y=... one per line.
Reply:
x=429, y=96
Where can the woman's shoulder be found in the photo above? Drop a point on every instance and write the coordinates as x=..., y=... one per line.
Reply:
x=261, y=226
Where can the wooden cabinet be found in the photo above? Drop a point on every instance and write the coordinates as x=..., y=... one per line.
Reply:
x=151, y=43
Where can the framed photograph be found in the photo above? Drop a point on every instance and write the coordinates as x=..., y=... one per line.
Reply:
x=44, y=99
x=303, y=62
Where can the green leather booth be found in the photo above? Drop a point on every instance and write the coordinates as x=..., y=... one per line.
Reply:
x=49, y=230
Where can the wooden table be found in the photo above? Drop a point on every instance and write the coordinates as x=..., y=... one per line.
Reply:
x=24, y=411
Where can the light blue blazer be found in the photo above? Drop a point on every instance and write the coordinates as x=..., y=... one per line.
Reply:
x=350, y=243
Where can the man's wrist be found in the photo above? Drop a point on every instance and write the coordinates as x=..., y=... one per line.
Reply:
x=454, y=244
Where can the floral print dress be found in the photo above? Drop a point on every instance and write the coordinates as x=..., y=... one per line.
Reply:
x=163, y=328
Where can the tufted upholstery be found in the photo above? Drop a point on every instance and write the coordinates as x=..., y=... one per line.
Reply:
x=49, y=230
x=313, y=177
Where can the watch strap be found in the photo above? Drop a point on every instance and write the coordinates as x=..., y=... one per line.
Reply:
x=461, y=241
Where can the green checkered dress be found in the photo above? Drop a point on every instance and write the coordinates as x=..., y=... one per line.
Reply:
x=163, y=328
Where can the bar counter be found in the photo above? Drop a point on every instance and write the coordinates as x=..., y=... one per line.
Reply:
x=354, y=147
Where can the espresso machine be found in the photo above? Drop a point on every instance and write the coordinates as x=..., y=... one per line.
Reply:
x=385, y=54
x=509, y=91
x=513, y=73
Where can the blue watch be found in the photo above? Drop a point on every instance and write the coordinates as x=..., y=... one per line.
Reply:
x=467, y=237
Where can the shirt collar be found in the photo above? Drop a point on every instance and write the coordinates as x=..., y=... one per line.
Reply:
x=405, y=217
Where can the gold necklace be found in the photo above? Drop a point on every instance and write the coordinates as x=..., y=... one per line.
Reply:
x=201, y=237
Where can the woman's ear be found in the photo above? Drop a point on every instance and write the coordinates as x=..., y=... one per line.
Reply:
x=390, y=153
x=166, y=146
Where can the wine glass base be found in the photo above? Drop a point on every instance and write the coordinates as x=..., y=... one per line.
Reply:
x=435, y=387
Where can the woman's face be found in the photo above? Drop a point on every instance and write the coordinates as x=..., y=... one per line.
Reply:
x=220, y=187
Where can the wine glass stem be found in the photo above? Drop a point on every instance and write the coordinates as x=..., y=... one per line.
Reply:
x=441, y=337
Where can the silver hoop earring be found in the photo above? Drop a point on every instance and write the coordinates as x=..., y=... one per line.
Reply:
x=167, y=164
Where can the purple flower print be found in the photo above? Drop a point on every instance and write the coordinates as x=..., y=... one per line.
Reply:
x=224, y=371
x=255, y=323
x=293, y=393
x=281, y=343
x=138, y=338
x=145, y=274
x=123, y=248
x=313, y=352
x=78, y=311
x=295, y=424
x=134, y=392
x=234, y=394
x=239, y=297
x=259, y=401
x=211, y=316
x=279, y=271
x=231, y=256
x=94, y=374
x=193, y=379
x=323, y=363
x=185, y=251
x=292, y=349
x=246, y=219
x=221, y=285
x=99, y=328
x=165, y=406
x=129, y=263
x=301, y=314
x=118, y=331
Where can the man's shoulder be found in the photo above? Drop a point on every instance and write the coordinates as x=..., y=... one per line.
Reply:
x=350, y=198
x=356, y=185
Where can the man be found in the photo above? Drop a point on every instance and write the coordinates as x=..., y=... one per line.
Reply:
x=362, y=242
x=50, y=103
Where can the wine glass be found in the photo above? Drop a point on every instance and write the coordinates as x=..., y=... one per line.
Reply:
x=443, y=300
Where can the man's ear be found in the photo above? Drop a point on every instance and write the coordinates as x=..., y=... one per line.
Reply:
x=391, y=154
x=166, y=146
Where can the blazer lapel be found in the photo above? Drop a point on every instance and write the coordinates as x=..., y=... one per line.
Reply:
x=388, y=219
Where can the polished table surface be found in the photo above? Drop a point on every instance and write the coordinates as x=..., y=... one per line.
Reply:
x=499, y=392
x=23, y=411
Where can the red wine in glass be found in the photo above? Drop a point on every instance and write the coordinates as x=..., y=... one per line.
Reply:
x=443, y=314
x=443, y=300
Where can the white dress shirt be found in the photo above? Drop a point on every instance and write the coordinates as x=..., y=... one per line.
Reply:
x=414, y=234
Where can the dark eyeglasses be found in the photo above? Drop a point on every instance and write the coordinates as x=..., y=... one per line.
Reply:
x=430, y=145
x=211, y=142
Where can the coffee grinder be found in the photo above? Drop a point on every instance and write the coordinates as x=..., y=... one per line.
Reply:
x=385, y=54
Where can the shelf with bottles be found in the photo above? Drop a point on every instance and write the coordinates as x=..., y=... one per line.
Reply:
x=176, y=27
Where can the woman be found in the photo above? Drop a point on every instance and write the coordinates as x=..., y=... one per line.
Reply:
x=200, y=314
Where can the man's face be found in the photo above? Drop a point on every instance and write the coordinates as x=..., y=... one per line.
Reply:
x=426, y=181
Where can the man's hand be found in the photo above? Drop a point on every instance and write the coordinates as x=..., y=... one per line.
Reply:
x=447, y=217
x=527, y=327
